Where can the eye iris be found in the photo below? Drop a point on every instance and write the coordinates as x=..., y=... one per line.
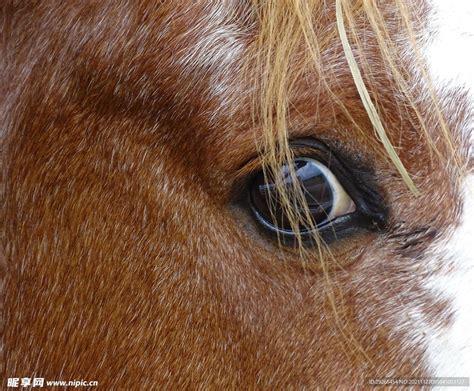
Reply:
x=316, y=188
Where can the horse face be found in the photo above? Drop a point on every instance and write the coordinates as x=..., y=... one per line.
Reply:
x=134, y=257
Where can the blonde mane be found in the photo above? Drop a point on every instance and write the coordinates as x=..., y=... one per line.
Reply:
x=290, y=42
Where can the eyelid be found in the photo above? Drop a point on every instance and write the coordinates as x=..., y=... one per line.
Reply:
x=255, y=163
x=250, y=166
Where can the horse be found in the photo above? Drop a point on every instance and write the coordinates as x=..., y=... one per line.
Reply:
x=237, y=194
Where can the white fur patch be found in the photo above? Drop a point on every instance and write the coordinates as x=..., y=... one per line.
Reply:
x=450, y=50
x=216, y=52
x=450, y=350
x=450, y=55
x=451, y=63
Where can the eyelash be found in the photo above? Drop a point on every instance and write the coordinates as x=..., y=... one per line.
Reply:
x=358, y=182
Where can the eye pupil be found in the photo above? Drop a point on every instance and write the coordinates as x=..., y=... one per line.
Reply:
x=314, y=183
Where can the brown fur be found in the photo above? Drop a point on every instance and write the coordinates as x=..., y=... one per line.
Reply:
x=127, y=263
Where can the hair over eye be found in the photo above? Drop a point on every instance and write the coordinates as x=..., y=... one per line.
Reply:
x=324, y=195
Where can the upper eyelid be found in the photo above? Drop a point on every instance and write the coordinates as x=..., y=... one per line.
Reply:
x=250, y=166
x=255, y=163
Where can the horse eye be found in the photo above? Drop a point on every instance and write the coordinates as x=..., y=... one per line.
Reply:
x=326, y=198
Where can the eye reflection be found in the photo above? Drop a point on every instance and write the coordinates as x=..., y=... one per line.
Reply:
x=324, y=195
